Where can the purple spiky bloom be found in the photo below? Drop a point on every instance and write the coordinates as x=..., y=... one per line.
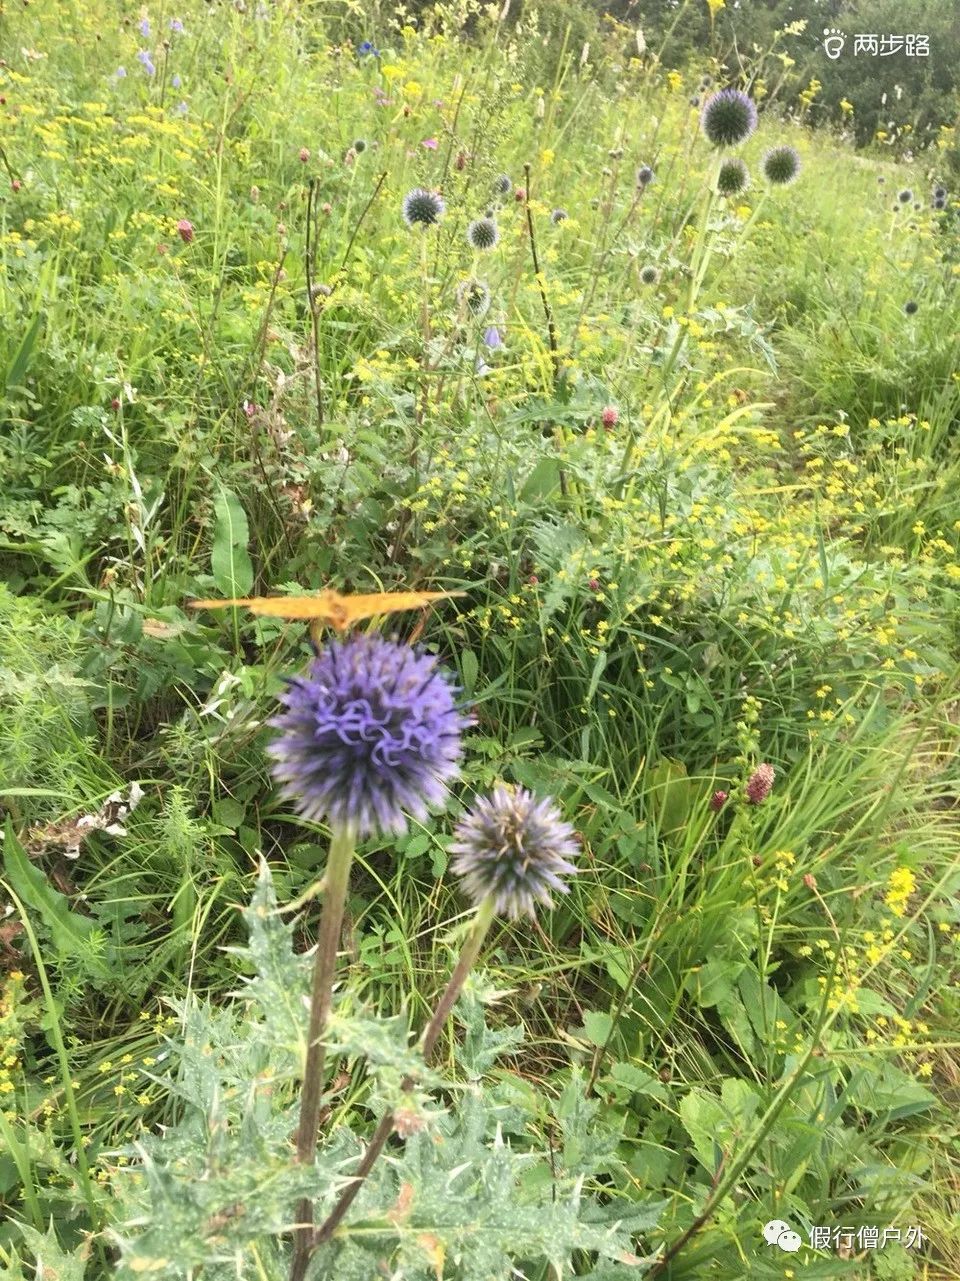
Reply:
x=760, y=784
x=422, y=208
x=370, y=735
x=514, y=848
x=728, y=117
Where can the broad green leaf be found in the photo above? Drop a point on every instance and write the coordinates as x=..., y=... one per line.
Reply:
x=230, y=561
x=69, y=931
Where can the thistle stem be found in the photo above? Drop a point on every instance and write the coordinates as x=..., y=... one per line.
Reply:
x=336, y=879
x=467, y=959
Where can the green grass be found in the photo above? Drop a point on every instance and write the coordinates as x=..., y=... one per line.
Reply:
x=758, y=562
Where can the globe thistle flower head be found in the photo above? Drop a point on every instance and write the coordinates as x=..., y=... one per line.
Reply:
x=644, y=176
x=422, y=208
x=760, y=784
x=649, y=274
x=911, y=308
x=475, y=296
x=502, y=184
x=514, y=848
x=939, y=193
x=781, y=165
x=370, y=734
x=728, y=117
x=483, y=233
x=905, y=196
x=939, y=202
x=733, y=177
x=360, y=146
x=558, y=215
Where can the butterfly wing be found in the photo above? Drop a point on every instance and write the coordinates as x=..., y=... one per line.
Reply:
x=328, y=606
x=356, y=608
x=292, y=607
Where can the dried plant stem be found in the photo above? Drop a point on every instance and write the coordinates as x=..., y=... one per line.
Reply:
x=467, y=959
x=336, y=880
x=538, y=276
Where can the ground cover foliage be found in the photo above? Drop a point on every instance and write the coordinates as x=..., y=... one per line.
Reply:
x=303, y=295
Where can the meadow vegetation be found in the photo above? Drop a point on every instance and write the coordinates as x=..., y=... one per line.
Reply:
x=692, y=460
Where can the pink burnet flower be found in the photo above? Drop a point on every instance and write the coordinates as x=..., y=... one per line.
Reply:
x=718, y=800
x=760, y=784
x=304, y=155
x=520, y=195
x=185, y=230
x=594, y=584
x=610, y=416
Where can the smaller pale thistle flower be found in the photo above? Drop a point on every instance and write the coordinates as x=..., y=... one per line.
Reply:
x=728, y=118
x=760, y=784
x=422, y=208
x=475, y=296
x=370, y=734
x=733, y=177
x=514, y=848
x=483, y=233
x=781, y=165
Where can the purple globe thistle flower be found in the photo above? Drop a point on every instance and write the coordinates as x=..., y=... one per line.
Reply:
x=728, y=117
x=760, y=784
x=483, y=233
x=422, y=207
x=781, y=165
x=905, y=196
x=733, y=177
x=649, y=275
x=644, y=176
x=502, y=184
x=370, y=734
x=558, y=216
x=514, y=849
x=911, y=308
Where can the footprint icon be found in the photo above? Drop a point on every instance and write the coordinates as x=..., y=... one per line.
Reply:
x=833, y=43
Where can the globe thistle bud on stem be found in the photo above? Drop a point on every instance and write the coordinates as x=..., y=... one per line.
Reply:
x=369, y=734
x=511, y=851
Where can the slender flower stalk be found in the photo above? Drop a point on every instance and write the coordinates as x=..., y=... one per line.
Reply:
x=336, y=881
x=388, y=1122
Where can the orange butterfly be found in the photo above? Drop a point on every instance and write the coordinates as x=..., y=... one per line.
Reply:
x=328, y=606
